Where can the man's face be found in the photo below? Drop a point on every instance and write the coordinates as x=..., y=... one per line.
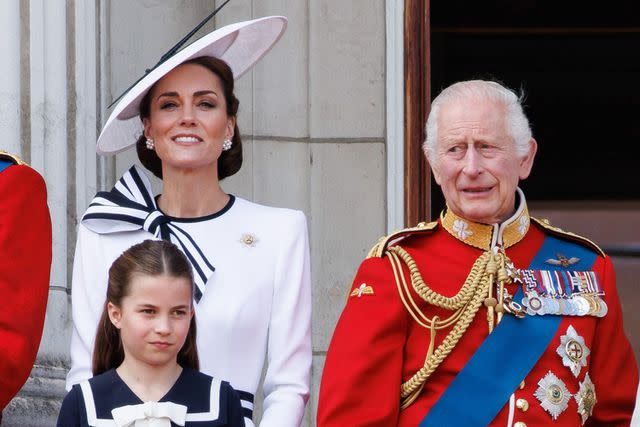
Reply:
x=476, y=163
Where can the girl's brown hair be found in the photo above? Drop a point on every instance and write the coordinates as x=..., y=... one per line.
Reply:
x=229, y=161
x=149, y=258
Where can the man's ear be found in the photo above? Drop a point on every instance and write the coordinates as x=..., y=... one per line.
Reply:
x=115, y=314
x=434, y=172
x=526, y=163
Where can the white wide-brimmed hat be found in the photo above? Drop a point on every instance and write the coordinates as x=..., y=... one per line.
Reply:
x=240, y=45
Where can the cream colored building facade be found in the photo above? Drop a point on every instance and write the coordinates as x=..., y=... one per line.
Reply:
x=321, y=118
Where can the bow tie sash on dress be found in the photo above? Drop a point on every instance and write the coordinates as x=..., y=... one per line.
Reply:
x=150, y=414
x=130, y=206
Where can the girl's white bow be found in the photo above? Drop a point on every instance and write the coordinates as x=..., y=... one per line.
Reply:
x=150, y=414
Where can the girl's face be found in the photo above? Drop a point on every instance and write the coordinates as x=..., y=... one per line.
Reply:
x=188, y=118
x=153, y=319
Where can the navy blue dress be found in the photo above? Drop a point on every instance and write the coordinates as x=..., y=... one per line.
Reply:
x=209, y=402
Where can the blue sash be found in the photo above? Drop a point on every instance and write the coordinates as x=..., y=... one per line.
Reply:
x=494, y=372
x=4, y=164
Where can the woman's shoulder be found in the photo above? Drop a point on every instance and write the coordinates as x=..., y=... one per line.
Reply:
x=264, y=213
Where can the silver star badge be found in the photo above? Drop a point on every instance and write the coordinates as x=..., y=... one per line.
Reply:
x=586, y=398
x=553, y=395
x=573, y=351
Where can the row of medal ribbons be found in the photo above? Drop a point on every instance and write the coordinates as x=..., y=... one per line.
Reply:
x=566, y=293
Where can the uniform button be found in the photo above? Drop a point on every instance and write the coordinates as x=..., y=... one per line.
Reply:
x=519, y=424
x=522, y=404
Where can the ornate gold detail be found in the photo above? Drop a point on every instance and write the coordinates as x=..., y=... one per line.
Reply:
x=378, y=250
x=12, y=158
x=363, y=289
x=479, y=235
x=586, y=398
x=465, y=305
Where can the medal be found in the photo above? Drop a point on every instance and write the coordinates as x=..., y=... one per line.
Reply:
x=582, y=305
x=573, y=351
x=603, y=308
x=553, y=307
x=533, y=303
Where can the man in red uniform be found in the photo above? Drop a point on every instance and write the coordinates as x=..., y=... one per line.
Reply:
x=487, y=316
x=25, y=264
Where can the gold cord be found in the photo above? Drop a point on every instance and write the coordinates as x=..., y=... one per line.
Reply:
x=466, y=304
x=476, y=290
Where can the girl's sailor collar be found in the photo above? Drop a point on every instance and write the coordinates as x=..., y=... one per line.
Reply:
x=487, y=236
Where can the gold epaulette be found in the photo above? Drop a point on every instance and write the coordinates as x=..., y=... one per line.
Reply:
x=544, y=223
x=379, y=248
x=11, y=158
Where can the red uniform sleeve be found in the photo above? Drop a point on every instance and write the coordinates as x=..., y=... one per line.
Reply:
x=25, y=264
x=363, y=369
x=613, y=367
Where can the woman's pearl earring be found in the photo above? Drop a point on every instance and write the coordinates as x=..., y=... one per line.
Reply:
x=150, y=144
x=226, y=145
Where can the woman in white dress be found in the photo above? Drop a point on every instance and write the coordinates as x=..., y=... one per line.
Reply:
x=251, y=262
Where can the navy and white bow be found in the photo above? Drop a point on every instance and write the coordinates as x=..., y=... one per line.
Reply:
x=150, y=414
x=130, y=206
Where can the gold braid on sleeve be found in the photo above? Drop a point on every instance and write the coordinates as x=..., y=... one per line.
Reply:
x=465, y=305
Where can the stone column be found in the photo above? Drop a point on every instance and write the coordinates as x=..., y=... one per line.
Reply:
x=59, y=82
x=10, y=72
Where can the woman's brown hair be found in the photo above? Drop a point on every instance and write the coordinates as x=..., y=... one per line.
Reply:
x=149, y=258
x=229, y=161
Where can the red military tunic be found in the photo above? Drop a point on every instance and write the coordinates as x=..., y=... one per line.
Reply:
x=377, y=345
x=25, y=264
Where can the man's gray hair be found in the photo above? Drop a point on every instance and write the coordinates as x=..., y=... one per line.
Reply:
x=517, y=123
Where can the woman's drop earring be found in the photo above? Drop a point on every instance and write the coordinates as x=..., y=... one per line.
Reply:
x=150, y=144
x=226, y=145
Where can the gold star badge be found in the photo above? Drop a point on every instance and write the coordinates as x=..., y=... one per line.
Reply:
x=363, y=289
x=586, y=398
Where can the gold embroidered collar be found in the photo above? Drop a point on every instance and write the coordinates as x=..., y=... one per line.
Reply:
x=486, y=236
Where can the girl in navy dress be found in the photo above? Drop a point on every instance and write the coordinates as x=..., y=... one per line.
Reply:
x=145, y=363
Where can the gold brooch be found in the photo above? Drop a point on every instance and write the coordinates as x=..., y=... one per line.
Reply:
x=249, y=240
x=363, y=289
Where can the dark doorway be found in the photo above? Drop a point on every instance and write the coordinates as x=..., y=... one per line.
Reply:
x=579, y=69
